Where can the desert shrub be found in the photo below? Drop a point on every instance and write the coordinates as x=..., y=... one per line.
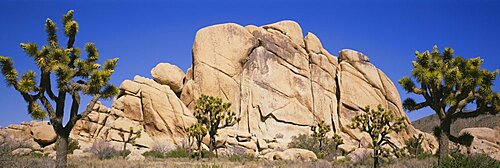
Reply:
x=210, y=166
x=72, y=145
x=241, y=157
x=178, y=153
x=468, y=161
x=154, y=154
x=414, y=148
x=308, y=142
x=35, y=154
x=203, y=153
x=103, y=150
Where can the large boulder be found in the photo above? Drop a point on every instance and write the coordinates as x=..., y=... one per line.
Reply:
x=168, y=74
x=43, y=133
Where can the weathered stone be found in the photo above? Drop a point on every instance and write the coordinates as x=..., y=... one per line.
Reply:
x=289, y=28
x=21, y=151
x=313, y=43
x=43, y=133
x=360, y=154
x=135, y=156
x=168, y=74
x=352, y=56
x=291, y=154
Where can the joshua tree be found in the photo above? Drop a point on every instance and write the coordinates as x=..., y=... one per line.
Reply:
x=198, y=131
x=325, y=145
x=337, y=141
x=214, y=114
x=414, y=145
x=454, y=87
x=130, y=138
x=319, y=132
x=73, y=76
x=379, y=124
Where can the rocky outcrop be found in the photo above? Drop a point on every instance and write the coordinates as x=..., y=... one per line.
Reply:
x=143, y=105
x=280, y=82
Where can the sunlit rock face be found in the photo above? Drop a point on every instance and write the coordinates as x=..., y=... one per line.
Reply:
x=280, y=82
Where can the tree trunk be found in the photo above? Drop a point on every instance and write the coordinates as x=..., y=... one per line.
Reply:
x=198, y=142
x=375, y=159
x=62, y=151
x=212, y=143
x=444, y=149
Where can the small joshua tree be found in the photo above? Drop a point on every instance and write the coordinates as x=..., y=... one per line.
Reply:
x=130, y=139
x=379, y=124
x=414, y=145
x=197, y=131
x=337, y=141
x=319, y=132
x=73, y=76
x=214, y=114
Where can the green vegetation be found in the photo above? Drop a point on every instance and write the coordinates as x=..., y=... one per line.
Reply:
x=213, y=114
x=318, y=142
x=448, y=85
x=468, y=161
x=379, y=124
x=178, y=153
x=241, y=158
x=197, y=131
x=414, y=147
x=130, y=138
x=73, y=76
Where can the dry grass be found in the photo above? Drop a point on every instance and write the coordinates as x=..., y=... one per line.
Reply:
x=118, y=162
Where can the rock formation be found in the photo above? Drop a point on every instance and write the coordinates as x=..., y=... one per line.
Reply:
x=279, y=82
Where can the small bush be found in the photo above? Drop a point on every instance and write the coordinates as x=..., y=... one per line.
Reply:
x=35, y=154
x=204, y=154
x=154, y=154
x=72, y=145
x=103, y=150
x=178, y=153
x=241, y=157
x=311, y=143
x=471, y=161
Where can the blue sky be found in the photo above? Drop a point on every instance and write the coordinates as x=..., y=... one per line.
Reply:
x=144, y=33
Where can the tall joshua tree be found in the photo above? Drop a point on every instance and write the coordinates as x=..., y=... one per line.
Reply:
x=454, y=87
x=73, y=76
x=214, y=114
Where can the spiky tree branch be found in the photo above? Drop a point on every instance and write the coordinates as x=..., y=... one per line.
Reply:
x=67, y=66
x=449, y=84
